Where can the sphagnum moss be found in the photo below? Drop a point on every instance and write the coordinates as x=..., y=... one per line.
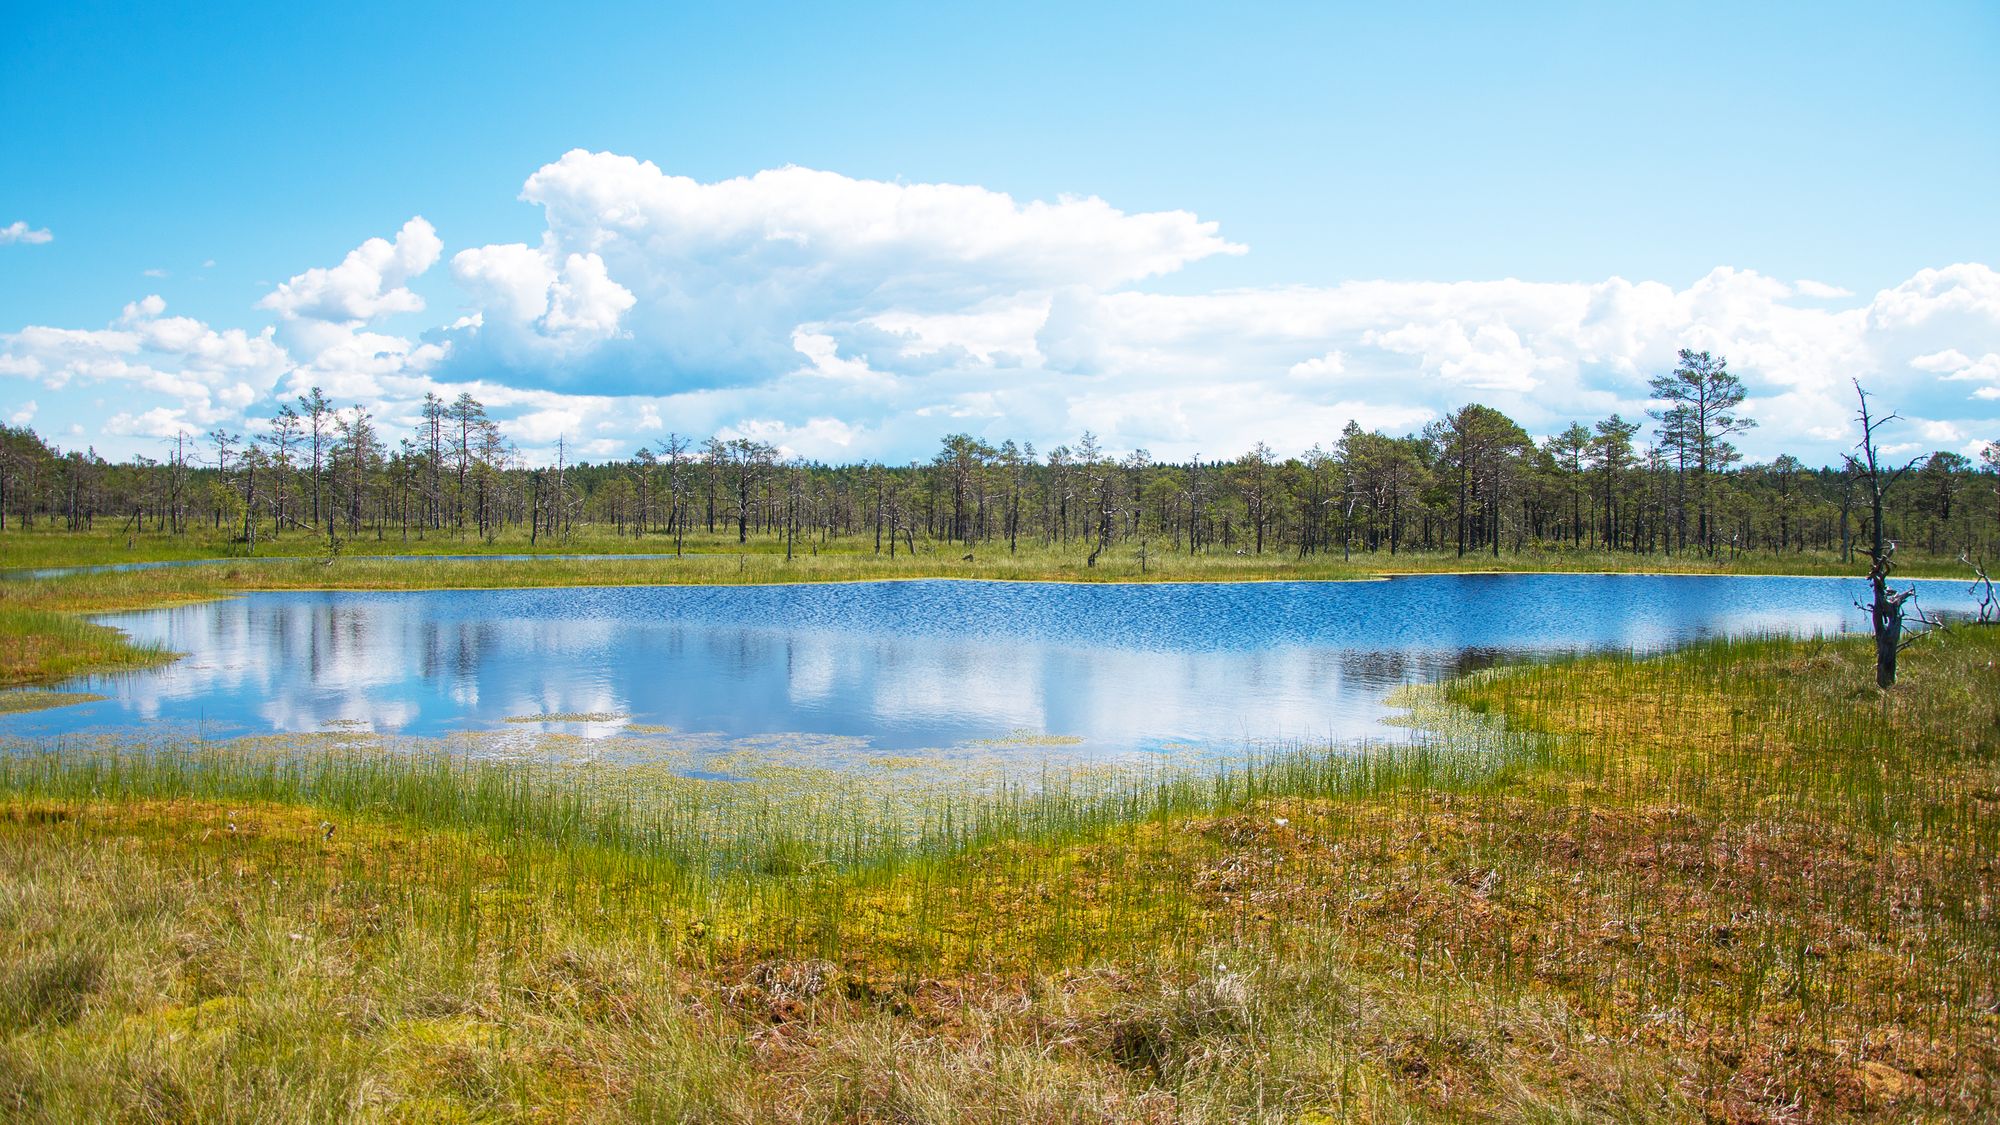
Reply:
x=1735, y=882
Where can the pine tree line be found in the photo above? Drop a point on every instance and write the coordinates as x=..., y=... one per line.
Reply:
x=1471, y=482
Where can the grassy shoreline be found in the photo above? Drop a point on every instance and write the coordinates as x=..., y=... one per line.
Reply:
x=1732, y=883
x=53, y=547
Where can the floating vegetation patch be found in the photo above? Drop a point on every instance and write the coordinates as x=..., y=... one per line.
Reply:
x=1027, y=738
x=1433, y=714
x=571, y=717
x=38, y=700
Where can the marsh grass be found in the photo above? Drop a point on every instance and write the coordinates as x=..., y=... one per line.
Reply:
x=1735, y=882
x=39, y=645
x=30, y=699
x=54, y=547
x=46, y=547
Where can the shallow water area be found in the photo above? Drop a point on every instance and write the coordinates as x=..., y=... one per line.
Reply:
x=848, y=674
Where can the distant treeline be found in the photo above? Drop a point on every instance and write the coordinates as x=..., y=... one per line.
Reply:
x=1472, y=481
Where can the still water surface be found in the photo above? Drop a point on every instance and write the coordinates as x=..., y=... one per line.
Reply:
x=904, y=665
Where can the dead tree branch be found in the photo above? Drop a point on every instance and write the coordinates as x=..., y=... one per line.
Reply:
x=1982, y=592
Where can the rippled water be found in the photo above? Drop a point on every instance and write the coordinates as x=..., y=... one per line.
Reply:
x=904, y=665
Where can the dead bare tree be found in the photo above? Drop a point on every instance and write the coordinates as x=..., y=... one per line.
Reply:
x=1886, y=611
x=1982, y=592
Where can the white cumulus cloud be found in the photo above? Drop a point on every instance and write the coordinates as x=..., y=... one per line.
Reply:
x=370, y=282
x=20, y=231
x=1820, y=290
x=538, y=304
x=329, y=316
x=208, y=375
x=686, y=284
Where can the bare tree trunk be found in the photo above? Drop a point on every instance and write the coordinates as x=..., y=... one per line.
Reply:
x=249, y=504
x=1885, y=613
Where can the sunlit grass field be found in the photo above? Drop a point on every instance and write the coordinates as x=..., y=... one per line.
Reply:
x=812, y=555
x=1734, y=883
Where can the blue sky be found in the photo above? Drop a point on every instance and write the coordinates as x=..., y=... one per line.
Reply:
x=1370, y=171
